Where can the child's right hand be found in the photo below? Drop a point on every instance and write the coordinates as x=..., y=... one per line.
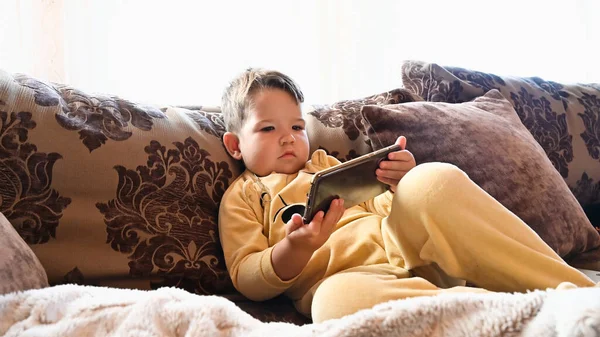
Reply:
x=313, y=235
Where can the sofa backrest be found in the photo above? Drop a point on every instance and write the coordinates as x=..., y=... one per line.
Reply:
x=111, y=192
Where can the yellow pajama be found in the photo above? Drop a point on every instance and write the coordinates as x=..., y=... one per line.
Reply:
x=438, y=230
x=446, y=229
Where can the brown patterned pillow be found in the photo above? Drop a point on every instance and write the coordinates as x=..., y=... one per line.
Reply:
x=20, y=269
x=562, y=118
x=486, y=139
x=112, y=192
x=337, y=128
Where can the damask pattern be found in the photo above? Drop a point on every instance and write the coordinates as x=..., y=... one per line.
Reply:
x=447, y=92
x=346, y=114
x=161, y=217
x=26, y=196
x=99, y=118
x=591, y=135
x=487, y=82
x=554, y=89
x=44, y=94
x=96, y=118
x=547, y=127
x=482, y=80
x=586, y=190
x=209, y=122
x=595, y=86
x=421, y=82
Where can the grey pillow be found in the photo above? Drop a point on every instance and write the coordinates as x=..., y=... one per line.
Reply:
x=486, y=139
x=20, y=269
x=563, y=118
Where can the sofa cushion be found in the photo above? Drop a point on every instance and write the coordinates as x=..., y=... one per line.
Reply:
x=20, y=269
x=563, y=118
x=337, y=128
x=112, y=192
x=486, y=139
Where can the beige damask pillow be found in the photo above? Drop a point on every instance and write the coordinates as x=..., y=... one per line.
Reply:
x=563, y=118
x=20, y=269
x=486, y=139
x=111, y=192
x=337, y=128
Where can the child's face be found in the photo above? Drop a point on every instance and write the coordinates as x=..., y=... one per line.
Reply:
x=273, y=137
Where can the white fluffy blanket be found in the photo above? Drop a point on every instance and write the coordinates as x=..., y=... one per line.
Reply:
x=93, y=311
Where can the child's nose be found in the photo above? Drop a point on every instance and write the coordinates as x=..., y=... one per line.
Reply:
x=287, y=139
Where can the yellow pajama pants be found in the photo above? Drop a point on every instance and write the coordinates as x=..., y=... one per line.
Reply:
x=445, y=229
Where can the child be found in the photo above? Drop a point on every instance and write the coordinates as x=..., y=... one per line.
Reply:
x=434, y=229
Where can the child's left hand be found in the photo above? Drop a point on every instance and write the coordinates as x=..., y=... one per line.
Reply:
x=400, y=162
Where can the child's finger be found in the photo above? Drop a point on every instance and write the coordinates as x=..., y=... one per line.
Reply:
x=315, y=223
x=331, y=218
x=396, y=174
x=294, y=223
x=403, y=155
x=340, y=213
x=402, y=142
x=297, y=221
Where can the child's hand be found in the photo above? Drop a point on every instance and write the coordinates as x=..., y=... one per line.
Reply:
x=290, y=256
x=400, y=162
x=313, y=235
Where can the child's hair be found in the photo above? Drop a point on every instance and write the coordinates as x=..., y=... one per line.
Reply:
x=237, y=98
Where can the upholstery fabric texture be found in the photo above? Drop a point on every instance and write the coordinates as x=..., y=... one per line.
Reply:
x=111, y=192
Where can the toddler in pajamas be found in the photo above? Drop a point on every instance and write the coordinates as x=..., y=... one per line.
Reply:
x=431, y=232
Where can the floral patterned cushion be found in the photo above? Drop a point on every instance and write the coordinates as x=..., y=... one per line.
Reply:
x=337, y=128
x=486, y=139
x=111, y=192
x=20, y=269
x=562, y=118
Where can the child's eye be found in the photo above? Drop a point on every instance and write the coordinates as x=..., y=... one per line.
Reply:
x=267, y=129
x=298, y=127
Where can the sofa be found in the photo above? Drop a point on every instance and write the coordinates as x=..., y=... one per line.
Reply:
x=109, y=192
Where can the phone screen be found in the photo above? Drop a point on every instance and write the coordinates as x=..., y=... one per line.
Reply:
x=354, y=181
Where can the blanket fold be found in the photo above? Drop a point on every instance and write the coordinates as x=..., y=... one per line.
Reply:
x=71, y=310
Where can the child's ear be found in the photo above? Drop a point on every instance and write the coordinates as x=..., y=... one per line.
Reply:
x=232, y=144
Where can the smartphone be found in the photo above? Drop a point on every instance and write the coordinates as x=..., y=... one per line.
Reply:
x=354, y=181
